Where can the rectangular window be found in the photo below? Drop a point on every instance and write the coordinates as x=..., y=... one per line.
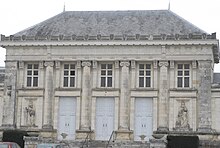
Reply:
x=69, y=75
x=183, y=75
x=145, y=75
x=106, y=75
x=32, y=75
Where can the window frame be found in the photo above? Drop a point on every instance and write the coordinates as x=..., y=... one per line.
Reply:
x=32, y=76
x=145, y=76
x=63, y=76
x=183, y=76
x=106, y=75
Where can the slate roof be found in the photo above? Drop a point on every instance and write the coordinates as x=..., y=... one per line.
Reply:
x=147, y=22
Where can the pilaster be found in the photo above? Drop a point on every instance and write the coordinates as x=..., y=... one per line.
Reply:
x=86, y=96
x=124, y=96
x=172, y=75
x=48, y=96
x=163, y=97
x=155, y=69
x=204, y=96
x=10, y=101
x=58, y=74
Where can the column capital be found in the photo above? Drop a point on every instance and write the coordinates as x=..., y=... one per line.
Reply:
x=49, y=63
x=163, y=63
x=124, y=63
x=86, y=63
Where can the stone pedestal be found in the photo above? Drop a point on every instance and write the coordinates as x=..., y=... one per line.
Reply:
x=31, y=142
x=124, y=135
x=158, y=143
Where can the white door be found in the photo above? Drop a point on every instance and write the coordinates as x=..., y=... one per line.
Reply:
x=67, y=118
x=143, y=118
x=104, y=118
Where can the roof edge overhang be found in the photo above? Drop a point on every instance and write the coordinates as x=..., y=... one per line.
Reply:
x=114, y=40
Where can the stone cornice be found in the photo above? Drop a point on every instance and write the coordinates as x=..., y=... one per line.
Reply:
x=110, y=37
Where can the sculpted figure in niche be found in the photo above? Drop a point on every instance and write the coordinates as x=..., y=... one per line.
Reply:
x=30, y=114
x=182, y=117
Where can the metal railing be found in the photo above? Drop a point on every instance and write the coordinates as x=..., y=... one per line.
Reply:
x=112, y=137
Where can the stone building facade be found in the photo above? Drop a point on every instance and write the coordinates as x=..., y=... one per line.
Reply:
x=132, y=72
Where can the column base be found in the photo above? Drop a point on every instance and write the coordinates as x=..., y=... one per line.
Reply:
x=49, y=127
x=7, y=127
x=158, y=143
x=124, y=135
x=82, y=134
x=204, y=130
x=162, y=130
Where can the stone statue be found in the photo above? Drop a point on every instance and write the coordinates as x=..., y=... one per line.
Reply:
x=30, y=114
x=182, y=117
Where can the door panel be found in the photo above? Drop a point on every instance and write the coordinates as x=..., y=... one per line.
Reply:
x=143, y=118
x=104, y=118
x=67, y=118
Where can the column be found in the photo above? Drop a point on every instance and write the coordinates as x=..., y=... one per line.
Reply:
x=163, y=97
x=9, y=103
x=204, y=96
x=48, y=95
x=124, y=97
x=86, y=96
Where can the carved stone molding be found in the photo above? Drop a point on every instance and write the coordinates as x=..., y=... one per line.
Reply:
x=155, y=64
x=86, y=63
x=94, y=64
x=49, y=63
x=194, y=64
x=133, y=64
x=116, y=64
x=124, y=63
x=41, y=64
x=172, y=64
x=21, y=64
x=163, y=63
x=78, y=64
x=57, y=64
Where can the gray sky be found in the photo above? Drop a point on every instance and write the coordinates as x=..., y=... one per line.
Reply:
x=17, y=15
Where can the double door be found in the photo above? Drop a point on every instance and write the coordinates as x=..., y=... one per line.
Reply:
x=143, y=118
x=67, y=118
x=104, y=118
